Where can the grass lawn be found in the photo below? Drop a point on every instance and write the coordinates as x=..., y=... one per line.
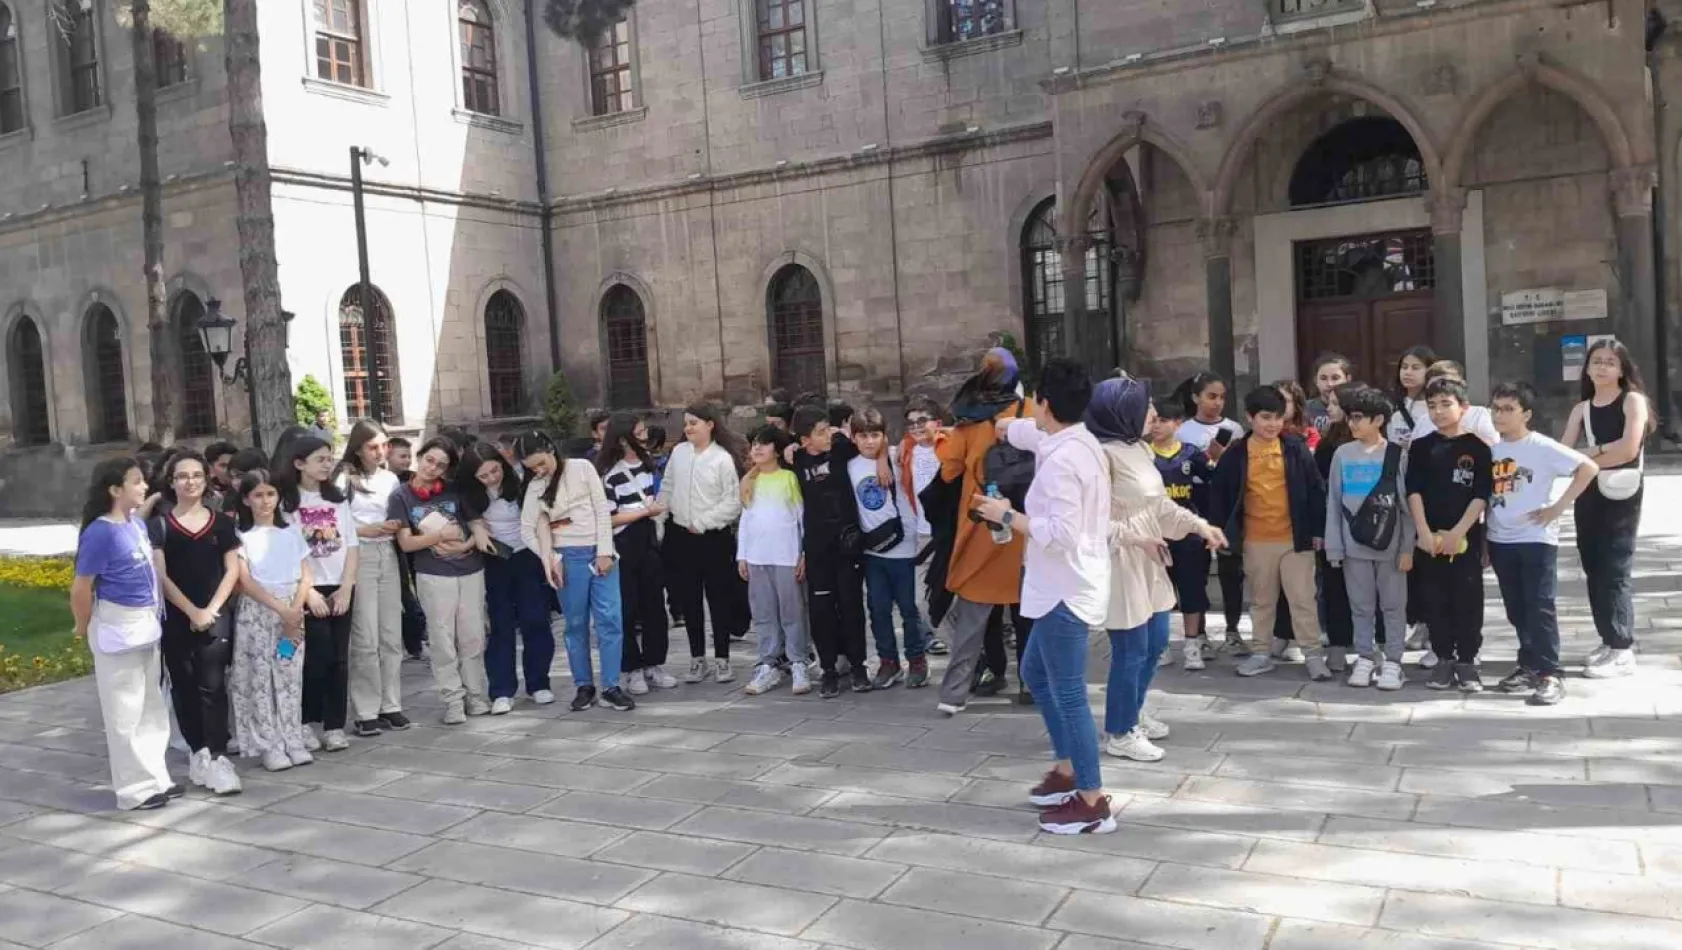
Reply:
x=35, y=623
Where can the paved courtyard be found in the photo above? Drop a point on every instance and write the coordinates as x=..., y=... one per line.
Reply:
x=1287, y=816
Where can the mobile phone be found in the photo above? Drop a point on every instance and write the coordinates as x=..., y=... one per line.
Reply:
x=286, y=649
x=1223, y=436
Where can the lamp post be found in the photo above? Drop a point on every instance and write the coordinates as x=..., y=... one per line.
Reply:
x=216, y=333
x=361, y=155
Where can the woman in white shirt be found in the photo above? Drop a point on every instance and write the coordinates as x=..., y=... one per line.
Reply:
x=701, y=489
x=516, y=592
x=376, y=616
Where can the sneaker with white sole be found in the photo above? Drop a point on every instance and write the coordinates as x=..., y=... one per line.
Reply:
x=1597, y=656
x=1429, y=660
x=949, y=709
x=1133, y=745
x=1615, y=664
x=312, y=742
x=454, y=714
x=1193, y=656
x=1292, y=653
x=766, y=677
x=1419, y=638
x=722, y=673
x=1390, y=676
x=657, y=678
x=1164, y=658
x=1255, y=665
x=333, y=740
x=1235, y=644
x=502, y=706
x=636, y=684
x=198, y=768
x=222, y=778
x=697, y=670
x=1152, y=727
x=543, y=697
x=799, y=682
x=1361, y=676
x=1318, y=669
x=478, y=707
x=276, y=761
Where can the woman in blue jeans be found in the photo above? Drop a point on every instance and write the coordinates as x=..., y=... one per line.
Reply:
x=516, y=591
x=1141, y=593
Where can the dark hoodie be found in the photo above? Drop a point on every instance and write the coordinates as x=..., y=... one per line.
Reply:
x=827, y=492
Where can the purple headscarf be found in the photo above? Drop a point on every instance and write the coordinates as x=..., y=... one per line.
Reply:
x=1118, y=409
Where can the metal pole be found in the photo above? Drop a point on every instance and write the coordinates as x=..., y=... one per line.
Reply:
x=365, y=292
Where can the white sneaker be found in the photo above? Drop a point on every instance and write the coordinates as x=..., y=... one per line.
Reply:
x=312, y=742
x=276, y=761
x=1617, y=663
x=543, y=697
x=454, y=714
x=800, y=684
x=502, y=706
x=1164, y=658
x=697, y=670
x=1390, y=676
x=1255, y=665
x=948, y=709
x=1133, y=746
x=1193, y=655
x=1152, y=727
x=765, y=679
x=1419, y=638
x=1361, y=675
x=1429, y=660
x=1598, y=656
x=1293, y=653
x=657, y=677
x=198, y=768
x=334, y=740
x=223, y=779
x=635, y=684
x=722, y=673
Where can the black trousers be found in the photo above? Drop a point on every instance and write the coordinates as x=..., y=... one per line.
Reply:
x=198, y=678
x=1229, y=568
x=642, y=596
x=1340, y=621
x=835, y=603
x=326, y=666
x=703, y=568
x=993, y=640
x=1451, y=591
x=414, y=619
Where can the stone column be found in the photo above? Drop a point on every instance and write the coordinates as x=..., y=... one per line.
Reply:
x=1216, y=235
x=1076, y=339
x=1448, y=317
x=1636, y=320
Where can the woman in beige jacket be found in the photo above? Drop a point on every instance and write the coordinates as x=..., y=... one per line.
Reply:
x=1141, y=594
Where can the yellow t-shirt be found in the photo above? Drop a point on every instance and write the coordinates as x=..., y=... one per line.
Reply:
x=1267, y=507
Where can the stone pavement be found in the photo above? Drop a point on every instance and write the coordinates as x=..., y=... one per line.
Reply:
x=1287, y=816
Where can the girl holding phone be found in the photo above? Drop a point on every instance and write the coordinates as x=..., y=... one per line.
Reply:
x=275, y=584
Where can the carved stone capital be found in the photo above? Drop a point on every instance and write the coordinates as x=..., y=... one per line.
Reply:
x=1447, y=207
x=1216, y=235
x=1632, y=190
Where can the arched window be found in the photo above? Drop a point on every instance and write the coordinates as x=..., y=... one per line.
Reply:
x=626, y=329
x=11, y=74
x=1359, y=160
x=795, y=304
x=102, y=344
x=1042, y=270
x=77, y=32
x=479, y=91
x=504, y=325
x=198, y=375
x=28, y=371
x=370, y=357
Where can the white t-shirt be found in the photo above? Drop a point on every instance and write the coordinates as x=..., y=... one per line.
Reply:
x=274, y=554
x=876, y=506
x=502, y=518
x=369, y=507
x=1196, y=432
x=925, y=465
x=770, y=532
x=1527, y=474
x=1399, y=430
x=329, y=532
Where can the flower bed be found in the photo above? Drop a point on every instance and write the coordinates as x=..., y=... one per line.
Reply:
x=37, y=640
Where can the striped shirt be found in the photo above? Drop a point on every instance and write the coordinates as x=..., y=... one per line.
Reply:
x=630, y=487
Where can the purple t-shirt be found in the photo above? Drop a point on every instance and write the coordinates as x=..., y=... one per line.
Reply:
x=119, y=558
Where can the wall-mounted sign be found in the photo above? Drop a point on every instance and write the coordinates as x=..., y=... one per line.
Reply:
x=1573, y=352
x=1548, y=304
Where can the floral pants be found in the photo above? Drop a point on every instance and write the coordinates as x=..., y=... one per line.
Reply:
x=267, y=691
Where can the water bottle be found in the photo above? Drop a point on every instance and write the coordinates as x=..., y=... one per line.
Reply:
x=1001, y=532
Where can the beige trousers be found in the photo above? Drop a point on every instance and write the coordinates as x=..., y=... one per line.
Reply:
x=1270, y=565
x=376, y=633
x=455, y=627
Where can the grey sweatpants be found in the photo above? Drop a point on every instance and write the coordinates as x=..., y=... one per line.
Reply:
x=779, y=612
x=1374, y=586
x=965, y=629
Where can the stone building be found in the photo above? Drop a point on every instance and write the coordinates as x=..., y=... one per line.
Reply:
x=850, y=195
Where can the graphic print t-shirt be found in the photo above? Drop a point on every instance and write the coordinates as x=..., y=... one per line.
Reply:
x=410, y=508
x=877, y=505
x=1526, y=478
x=1449, y=474
x=1185, y=472
x=330, y=533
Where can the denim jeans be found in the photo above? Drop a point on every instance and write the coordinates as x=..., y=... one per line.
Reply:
x=1054, y=667
x=889, y=582
x=517, y=601
x=585, y=600
x=1133, y=656
x=1529, y=578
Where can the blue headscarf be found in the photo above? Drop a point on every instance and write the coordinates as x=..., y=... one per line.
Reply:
x=1118, y=409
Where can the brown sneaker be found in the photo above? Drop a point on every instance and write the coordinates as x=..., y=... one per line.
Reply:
x=1053, y=790
x=917, y=674
x=1076, y=817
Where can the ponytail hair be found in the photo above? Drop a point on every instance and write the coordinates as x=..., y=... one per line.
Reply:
x=1193, y=386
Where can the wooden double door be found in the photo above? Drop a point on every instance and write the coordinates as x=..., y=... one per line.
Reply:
x=1367, y=297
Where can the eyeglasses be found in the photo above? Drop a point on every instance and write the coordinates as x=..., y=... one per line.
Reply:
x=919, y=420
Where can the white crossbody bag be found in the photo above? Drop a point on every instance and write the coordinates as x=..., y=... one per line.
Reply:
x=1615, y=484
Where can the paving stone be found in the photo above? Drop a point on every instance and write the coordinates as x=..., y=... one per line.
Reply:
x=707, y=764
x=42, y=868
x=663, y=852
x=1481, y=844
x=256, y=793
x=856, y=779
x=1020, y=824
x=1507, y=763
x=1085, y=942
x=528, y=833
x=778, y=747
x=866, y=732
x=324, y=839
x=1487, y=879
x=432, y=761
x=976, y=895
x=1621, y=894
x=817, y=872
x=467, y=792
x=1309, y=935
x=539, y=921
x=466, y=941
x=333, y=928
x=1310, y=771
x=1597, y=823
x=421, y=818
x=728, y=903
x=1160, y=922
x=546, y=748
x=1561, y=928
x=648, y=932
x=78, y=832
x=442, y=738
x=545, y=874
x=881, y=927
x=328, y=882
x=1505, y=739
x=197, y=816
x=193, y=855
x=762, y=795
x=349, y=775
x=568, y=775
x=1291, y=746
x=787, y=831
x=1018, y=862
x=1218, y=816
x=1504, y=787
x=1336, y=801
x=1265, y=894
x=669, y=737
x=943, y=740
x=1160, y=844
x=1025, y=775
x=15, y=811
x=618, y=810
x=132, y=932
x=222, y=908
x=39, y=919
x=1649, y=771
x=874, y=755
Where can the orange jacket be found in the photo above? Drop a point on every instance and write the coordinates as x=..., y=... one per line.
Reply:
x=981, y=572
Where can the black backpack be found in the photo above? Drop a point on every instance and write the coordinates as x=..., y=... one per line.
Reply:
x=1373, y=525
x=1008, y=467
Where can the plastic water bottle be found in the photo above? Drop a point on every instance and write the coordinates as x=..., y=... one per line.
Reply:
x=1001, y=532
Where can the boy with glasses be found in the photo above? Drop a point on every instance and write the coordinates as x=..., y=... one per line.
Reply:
x=918, y=465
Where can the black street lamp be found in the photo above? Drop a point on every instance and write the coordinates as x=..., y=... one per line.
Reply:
x=216, y=333
x=361, y=155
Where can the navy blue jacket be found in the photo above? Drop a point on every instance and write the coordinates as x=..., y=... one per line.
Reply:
x=1305, y=491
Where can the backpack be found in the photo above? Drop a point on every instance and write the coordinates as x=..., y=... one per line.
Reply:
x=1373, y=525
x=1008, y=467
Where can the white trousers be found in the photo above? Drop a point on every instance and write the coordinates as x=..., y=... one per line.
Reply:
x=131, y=700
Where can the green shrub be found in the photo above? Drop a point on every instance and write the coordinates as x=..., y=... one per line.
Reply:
x=561, y=415
x=311, y=398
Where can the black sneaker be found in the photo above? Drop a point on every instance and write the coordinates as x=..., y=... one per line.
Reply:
x=1468, y=677
x=861, y=679
x=829, y=686
x=395, y=721
x=585, y=699
x=175, y=791
x=616, y=698
x=936, y=647
x=1519, y=681
x=1024, y=697
x=1442, y=677
x=153, y=803
x=1550, y=689
x=989, y=684
x=366, y=728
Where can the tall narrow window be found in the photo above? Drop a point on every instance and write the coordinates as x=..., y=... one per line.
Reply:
x=367, y=348
x=1046, y=293
x=103, y=369
x=11, y=74
x=504, y=332
x=28, y=371
x=77, y=28
x=782, y=38
x=169, y=57
x=479, y=91
x=611, y=87
x=969, y=19
x=796, y=310
x=198, y=376
x=627, y=349
x=338, y=42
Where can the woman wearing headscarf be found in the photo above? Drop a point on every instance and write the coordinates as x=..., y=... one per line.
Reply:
x=1141, y=593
